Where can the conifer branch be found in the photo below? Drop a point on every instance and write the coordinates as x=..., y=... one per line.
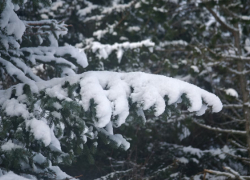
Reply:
x=221, y=130
x=224, y=24
x=219, y=173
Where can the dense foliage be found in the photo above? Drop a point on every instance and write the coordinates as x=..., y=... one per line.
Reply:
x=203, y=42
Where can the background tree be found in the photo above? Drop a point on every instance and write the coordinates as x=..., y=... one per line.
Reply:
x=203, y=42
x=48, y=121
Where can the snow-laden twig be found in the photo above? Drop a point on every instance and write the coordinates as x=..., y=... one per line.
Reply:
x=244, y=72
x=238, y=157
x=104, y=50
x=219, y=173
x=231, y=174
x=13, y=71
x=234, y=57
x=237, y=144
x=238, y=106
x=221, y=130
x=223, y=23
x=112, y=175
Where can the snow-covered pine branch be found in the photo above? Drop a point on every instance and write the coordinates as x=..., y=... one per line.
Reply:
x=231, y=173
x=104, y=50
x=92, y=103
x=21, y=63
x=232, y=131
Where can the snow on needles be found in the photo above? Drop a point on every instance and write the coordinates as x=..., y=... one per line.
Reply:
x=104, y=50
x=9, y=146
x=40, y=130
x=10, y=22
x=231, y=92
x=12, y=176
x=110, y=92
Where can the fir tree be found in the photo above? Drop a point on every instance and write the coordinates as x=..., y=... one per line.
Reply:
x=47, y=121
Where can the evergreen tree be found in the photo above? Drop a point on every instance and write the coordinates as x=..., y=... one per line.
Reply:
x=203, y=42
x=47, y=121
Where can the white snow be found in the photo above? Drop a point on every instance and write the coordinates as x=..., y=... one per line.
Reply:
x=117, y=8
x=40, y=130
x=100, y=33
x=57, y=105
x=195, y=68
x=232, y=92
x=148, y=90
x=12, y=176
x=59, y=173
x=110, y=92
x=133, y=28
x=13, y=108
x=183, y=160
x=104, y=50
x=247, y=45
x=8, y=146
x=174, y=43
x=10, y=22
x=39, y=158
x=55, y=144
x=88, y=9
x=56, y=5
x=50, y=54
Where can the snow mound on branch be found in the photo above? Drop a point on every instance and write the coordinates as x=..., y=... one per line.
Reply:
x=104, y=50
x=52, y=54
x=40, y=130
x=111, y=92
x=231, y=92
x=12, y=176
x=13, y=108
x=10, y=22
x=147, y=91
x=9, y=146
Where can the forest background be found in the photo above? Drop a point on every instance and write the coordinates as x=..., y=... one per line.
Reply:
x=202, y=42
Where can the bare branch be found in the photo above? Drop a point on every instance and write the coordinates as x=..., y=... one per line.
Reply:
x=233, y=119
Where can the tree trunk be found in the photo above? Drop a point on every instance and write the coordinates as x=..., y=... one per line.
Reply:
x=243, y=87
